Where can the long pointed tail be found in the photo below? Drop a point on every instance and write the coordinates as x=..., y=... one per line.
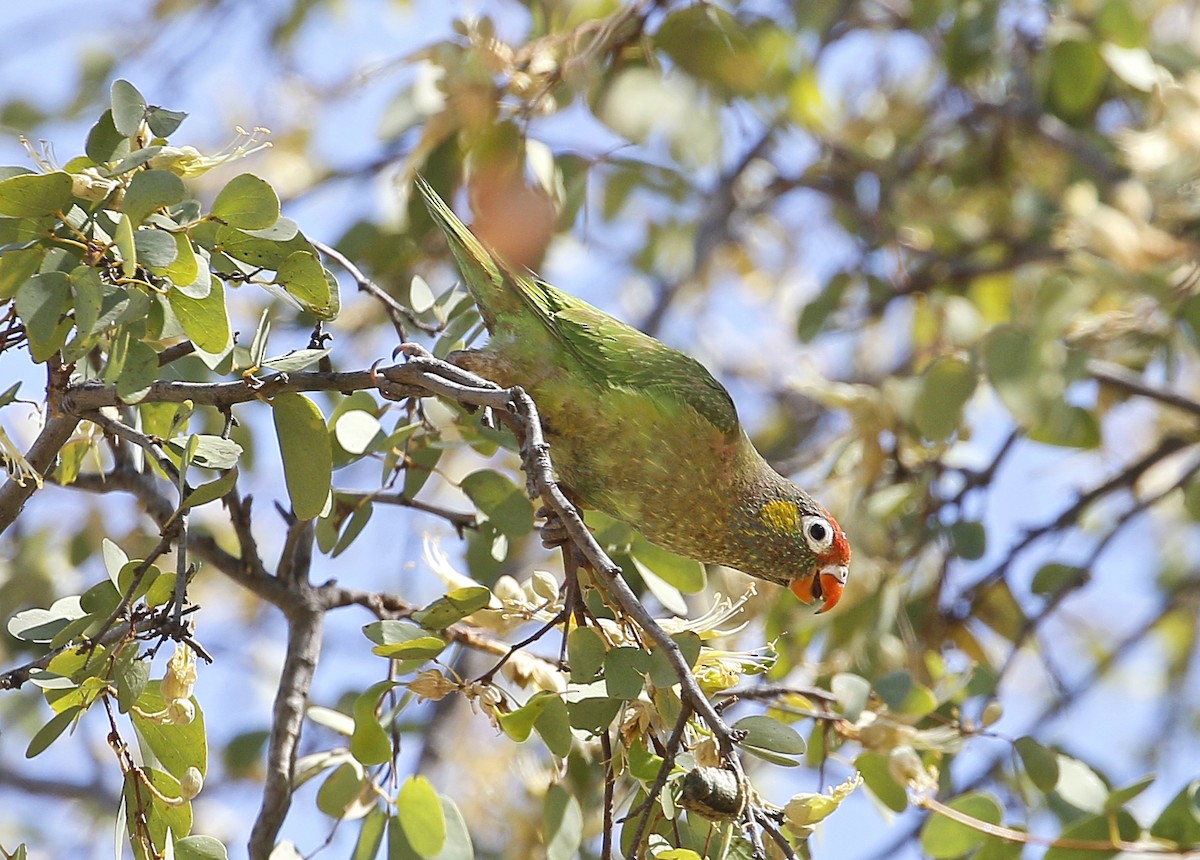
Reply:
x=485, y=278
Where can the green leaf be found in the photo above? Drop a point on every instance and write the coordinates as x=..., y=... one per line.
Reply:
x=1067, y=426
x=42, y=304
x=402, y=640
x=397, y=843
x=138, y=373
x=1041, y=764
x=1122, y=796
x=969, y=539
x=1180, y=820
x=852, y=692
x=593, y=713
x=421, y=816
x=104, y=142
x=200, y=848
x=150, y=190
x=88, y=292
x=294, y=360
x=42, y=625
x=247, y=202
x=1080, y=786
x=554, y=726
x=946, y=386
x=356, y=430
x=504, y=504
x=453, y=606
x=49, y=733
x=211, y=491
x=302, y=275
x=369, y=743
x=210, y=452
x=126, y=247
x=159, y=818
x=585, y=654
x=1054, y=577
x=32, y=194
x=128, y=108
x=184, y=270
x=370, y=834
x=1077, y=77
x=340, y=789
x=155, y=248
x=205, y=321
x=307, y=455
x=458, y=838
x=661, y=671
x=131, y=675
x=562, y=824
x=943, y=838
x=163, y=122
x=177, y=746
x=17, y=267
x=1096, y=828
x=685, y=574
x=519, y=723
x=770, y=734
x=904, y=695
x=643, y=764
x=625, y=670
x=878, y=778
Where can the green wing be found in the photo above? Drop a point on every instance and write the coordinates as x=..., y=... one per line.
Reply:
x=619, y=355
x=609, y=352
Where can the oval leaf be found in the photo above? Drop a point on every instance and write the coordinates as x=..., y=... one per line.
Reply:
x=307, y=454
x=421, y=816
x=32, y=194
x=247, y=202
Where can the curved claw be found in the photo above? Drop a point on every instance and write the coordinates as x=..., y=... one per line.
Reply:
x=826, y=585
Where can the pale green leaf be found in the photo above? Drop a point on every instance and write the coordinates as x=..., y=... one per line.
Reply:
x=247, y=202
x=32, y=194
x=421, y=816
x=128, y=108
x=307, y=455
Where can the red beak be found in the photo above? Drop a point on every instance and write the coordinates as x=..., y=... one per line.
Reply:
x=825, y=585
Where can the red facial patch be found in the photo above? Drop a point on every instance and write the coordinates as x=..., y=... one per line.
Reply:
x=839, y=550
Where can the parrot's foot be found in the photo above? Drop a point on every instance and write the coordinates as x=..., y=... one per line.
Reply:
x=411, y=350
x=553, y=532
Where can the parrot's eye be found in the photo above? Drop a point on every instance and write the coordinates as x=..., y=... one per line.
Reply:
x=817, y=532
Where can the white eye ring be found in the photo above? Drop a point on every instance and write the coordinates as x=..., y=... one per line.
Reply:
x=818, y=533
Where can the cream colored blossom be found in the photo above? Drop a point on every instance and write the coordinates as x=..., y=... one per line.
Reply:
x=808, y=808
x=431, y=684
x=189, y=161
x=180, y=678
x=18, y=468
x=524, y=669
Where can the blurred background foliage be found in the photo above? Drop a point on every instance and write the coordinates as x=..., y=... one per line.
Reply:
x=943, y=256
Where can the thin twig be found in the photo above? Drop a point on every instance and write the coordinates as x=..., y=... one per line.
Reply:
x=459, y=520
x=396, y=311
x=1126, y=380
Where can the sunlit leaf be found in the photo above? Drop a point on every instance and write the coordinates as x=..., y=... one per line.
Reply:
x=421, y=816
x=128, y=108
x=247, y=202
x=307, y=456
x=32, y=194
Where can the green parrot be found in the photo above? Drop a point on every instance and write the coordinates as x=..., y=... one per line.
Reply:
x=643, y=432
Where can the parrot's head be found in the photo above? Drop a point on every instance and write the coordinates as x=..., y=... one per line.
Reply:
x=813, y=552
x=831, y=551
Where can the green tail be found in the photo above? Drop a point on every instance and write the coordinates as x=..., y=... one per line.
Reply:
x=490, y=285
